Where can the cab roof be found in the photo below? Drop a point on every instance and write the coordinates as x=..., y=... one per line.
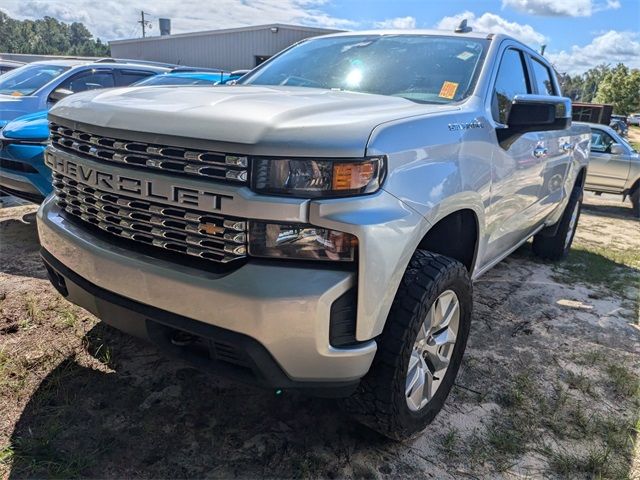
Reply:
x=74, y=62
x=426, y=32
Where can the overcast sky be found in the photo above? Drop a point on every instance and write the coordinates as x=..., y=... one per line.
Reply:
x=579, y=34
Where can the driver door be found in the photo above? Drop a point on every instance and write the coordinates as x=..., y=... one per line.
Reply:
x=606, y=170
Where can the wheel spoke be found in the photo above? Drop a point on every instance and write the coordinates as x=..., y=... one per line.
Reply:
x=432, y=350
x=413, y=360
x=423, y=333
x=415, y=385
x=443, y=337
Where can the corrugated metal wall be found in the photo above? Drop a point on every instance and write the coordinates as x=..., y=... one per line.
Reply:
x=228, y=50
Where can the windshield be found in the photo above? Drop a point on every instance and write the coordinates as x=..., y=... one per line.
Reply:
x=29, y=78
x=177, y=80
x=422, y=68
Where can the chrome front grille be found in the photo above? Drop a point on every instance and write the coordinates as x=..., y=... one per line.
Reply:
x=208, y=236
x=168, y=159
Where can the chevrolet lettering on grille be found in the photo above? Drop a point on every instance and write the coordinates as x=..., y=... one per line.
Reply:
x=130, y=185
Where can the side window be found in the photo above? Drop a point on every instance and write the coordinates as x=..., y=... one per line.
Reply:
x=127, y=77
x=511, y=81
x=542, y=78
x=601, y=141
x=89, y=80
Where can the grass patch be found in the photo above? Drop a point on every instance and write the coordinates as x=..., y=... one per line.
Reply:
x=36, y=457
x=33, y=312
x=104, y=355
x=68, y=318
x=617, y=270
x=596, y=463
x=450, y=442
x=531, y=416
x=6, y=454
x=624, y=382
x=13, y=372
x=580, y=382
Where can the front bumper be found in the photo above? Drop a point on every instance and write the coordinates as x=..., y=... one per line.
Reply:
x=283, y=310
x=23, y=172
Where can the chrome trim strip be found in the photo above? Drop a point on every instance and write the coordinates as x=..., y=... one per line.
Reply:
x=178, y=160
x=208, y=236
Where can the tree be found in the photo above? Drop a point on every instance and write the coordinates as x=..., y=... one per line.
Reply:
x=48, y=36
x=620, y=87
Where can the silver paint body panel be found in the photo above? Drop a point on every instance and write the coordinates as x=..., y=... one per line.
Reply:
x=612, y=173
x=433, y=171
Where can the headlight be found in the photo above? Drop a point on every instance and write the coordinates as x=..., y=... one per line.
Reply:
x=300, y=242
x=317, y=178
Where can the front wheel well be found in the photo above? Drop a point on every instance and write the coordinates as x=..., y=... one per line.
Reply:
x=455, y=236
x=581, y=177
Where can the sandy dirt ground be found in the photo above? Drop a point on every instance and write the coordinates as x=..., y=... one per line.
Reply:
x=548, y=387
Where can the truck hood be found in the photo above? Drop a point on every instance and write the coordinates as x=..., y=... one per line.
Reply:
x=246, y=119
x=34, y=126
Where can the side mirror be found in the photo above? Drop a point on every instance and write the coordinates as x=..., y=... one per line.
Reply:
x=58, y=94
x=616, y=149
x=539, y=113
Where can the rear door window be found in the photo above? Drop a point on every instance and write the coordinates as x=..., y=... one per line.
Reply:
x=89, y=80
x=127, y=77
x=542, y=78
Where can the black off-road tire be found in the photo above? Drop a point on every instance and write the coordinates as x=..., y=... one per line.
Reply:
x=635, y=200
x=380, y=401
x=556, y=247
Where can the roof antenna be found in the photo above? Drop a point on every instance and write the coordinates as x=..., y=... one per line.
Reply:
x=462, y=27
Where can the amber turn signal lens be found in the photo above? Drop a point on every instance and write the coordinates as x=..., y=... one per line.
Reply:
x=352, y=176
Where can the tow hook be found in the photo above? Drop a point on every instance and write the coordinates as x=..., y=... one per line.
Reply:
x=182, y=339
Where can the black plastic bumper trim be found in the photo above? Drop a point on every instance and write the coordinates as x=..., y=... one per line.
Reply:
x=252, y=362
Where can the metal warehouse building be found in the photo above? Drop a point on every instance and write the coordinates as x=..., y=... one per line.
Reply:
x=228, y=49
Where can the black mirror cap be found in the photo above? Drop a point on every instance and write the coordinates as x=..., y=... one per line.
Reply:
x=539, y=113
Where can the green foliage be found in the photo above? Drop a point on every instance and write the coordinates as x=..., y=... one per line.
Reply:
x=48, y=36
x=583, y=88
x=621, y=88
x=618, y=86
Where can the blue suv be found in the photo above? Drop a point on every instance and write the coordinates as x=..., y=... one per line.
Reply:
x=27, y=93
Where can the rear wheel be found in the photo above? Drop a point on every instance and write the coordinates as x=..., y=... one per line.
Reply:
x=557, y=246
x=635, y=200
x=420, y=350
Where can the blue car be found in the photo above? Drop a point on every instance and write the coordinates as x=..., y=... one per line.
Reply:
x=37, y=86
x=186, y=76
x=23, y=140
x=32, y=90
x=22, y=169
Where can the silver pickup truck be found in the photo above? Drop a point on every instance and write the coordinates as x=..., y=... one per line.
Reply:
x=319, y=225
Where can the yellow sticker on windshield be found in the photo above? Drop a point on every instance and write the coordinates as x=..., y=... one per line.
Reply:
x=16, y=94
x=465, y=55
x=448, y=90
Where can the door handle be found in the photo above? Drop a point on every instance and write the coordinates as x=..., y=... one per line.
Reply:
x=567, y=147
x=540, y=152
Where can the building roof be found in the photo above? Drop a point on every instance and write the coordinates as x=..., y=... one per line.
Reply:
x=226, y=31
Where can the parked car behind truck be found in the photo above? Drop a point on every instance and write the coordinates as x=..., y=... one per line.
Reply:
x=317, y=226
x=38, y=86
x=614, y=166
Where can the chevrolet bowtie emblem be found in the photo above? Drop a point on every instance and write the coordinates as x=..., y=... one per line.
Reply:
x=211, y=228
